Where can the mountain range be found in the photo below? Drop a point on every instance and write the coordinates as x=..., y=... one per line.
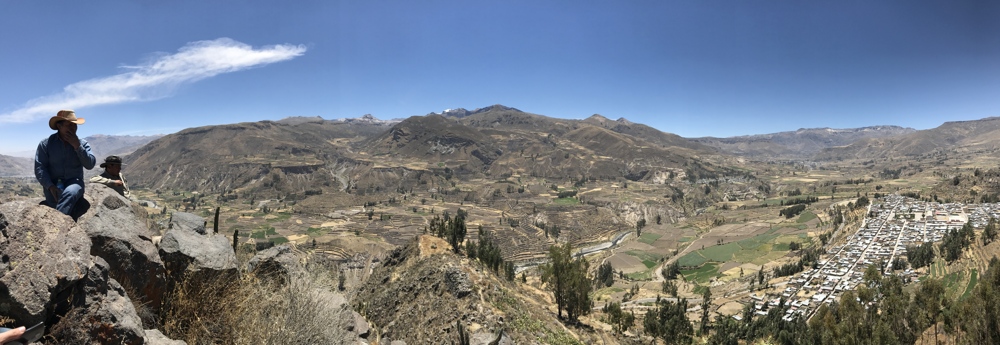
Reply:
x=800, y=144
x=489, y=141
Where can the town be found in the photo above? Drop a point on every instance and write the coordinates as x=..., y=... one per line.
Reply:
x=889, y=226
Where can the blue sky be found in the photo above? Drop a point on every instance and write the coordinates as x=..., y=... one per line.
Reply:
x=694, y=68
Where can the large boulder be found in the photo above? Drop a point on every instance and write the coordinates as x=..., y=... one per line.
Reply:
x=47, y=274
x=119, y=232
x=102, y=313
x=155, y=337
x=187, y=221
x=185, y=251
x=44, y=256
x=278, y=263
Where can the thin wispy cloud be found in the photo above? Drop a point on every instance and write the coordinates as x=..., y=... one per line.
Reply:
x=157, y=78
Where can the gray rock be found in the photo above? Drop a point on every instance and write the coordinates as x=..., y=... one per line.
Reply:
x=155, y=337
x=43, y=257
x=184, y=250
x=187, y=221
x=113, y=319
x=121, y=236
x=487, y=338
x=397, y=342
x=277, y=263
x=361, y=327
x=458, y=281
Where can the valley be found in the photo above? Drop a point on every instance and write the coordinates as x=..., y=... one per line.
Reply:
x=772, y=229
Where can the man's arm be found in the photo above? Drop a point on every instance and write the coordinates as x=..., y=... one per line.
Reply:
x=101, y=179
x=87, y=158
x=42, y=165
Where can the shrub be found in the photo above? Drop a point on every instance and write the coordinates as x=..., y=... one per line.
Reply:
x=246, y=309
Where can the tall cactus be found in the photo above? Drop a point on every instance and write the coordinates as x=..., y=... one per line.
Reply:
x=215, y=227
x=463, y=335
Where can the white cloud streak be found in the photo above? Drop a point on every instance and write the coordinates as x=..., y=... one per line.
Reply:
x=157, y=78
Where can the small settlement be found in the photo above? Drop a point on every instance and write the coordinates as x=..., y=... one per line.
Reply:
x=887, y=229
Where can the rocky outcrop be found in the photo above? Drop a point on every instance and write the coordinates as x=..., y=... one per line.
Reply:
x=104, y=310
x=405, y=296
x=187, y=221
x=119, y=233
x=184, y=250
x=44, y=257
x=155, y=337
x=277, y=263
x=48, y=275
x=458, y=281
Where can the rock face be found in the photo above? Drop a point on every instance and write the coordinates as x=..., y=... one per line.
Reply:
x=47, y=274
x=105, y=311
x=155, y=337
x=458, y=281
x=405, y=295
x=44, y=256
x=183, y=249
x=187, y=221
x=120, y=235
x=276, y=262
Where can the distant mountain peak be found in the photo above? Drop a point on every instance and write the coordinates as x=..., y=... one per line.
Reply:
x=294, y=120
x=598, y=118
x=624, y=121
x=496, y=107
x=367, y=119
x=462, y=112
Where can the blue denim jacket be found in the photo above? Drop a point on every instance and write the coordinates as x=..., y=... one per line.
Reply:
x=55, y=159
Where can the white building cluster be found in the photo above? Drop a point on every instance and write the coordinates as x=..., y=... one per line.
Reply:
x=889, y=226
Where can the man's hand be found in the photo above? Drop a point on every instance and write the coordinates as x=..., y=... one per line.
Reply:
x=71, y=139
x=55, y=192
x=11, y=335
x=117, y=182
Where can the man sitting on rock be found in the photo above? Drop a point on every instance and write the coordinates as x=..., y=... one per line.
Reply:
x=59, y=163
x=112, y=176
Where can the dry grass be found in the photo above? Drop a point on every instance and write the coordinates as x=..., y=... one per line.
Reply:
x=246, y=309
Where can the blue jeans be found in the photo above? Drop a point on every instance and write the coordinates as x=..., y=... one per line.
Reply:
x=71, y=194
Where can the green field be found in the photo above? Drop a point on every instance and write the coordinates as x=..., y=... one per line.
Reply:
x=316, y=232
x=806, y=216
x=700, y=290
x=263, y=233
x=566, y=201
x=757, y=241
x=721, y=253
x=649, y=238
x=692, y=259
x=972, y=284
x=648, y=259
x=701, y=274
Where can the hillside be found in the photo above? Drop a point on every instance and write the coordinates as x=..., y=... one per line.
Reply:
x=647, y=133
x=442, y=289
x=799, y=144
x=16, y=166
x=979, y=136
x=105, y=145
x=229, y=157
x=299, y=155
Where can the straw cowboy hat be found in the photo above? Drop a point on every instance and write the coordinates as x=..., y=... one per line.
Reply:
x=112, y=160
x=65, y=115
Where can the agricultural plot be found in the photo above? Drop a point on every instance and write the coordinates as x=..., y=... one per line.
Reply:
x=758, y=250
x=973, y=280
x=702, y=274
x=649, y=238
